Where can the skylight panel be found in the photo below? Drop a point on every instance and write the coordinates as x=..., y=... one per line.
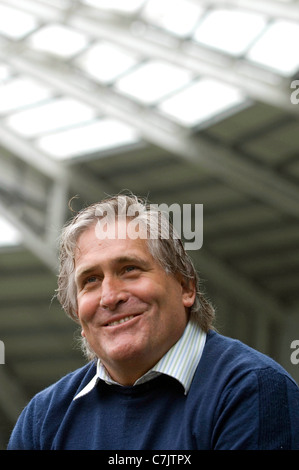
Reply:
x=177, y=16
x=5, y=73
x=58, y=40
x=15, y=24
x=152, y=81
x=9, y=236
x=101, y=135
x=62, y=4
x=127, y=6
x=105, y=62
x=231, y=31
x=204, y=100
x=60, y=113
x=21, y=92
x=277, y=48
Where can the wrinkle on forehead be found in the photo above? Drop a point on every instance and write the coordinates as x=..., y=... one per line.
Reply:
x=88, y=243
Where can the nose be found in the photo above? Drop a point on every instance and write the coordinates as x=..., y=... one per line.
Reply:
x=112, y=293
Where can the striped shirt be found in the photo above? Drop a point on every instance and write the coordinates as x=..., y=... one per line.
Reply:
x=180, y=362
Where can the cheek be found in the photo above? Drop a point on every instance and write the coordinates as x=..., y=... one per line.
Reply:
x=161, y=292
x=87, y=305
x=150, y=286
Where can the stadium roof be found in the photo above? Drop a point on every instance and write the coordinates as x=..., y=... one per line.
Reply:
x=180, y=101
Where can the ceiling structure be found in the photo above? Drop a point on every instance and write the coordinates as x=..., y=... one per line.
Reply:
x=181, y=101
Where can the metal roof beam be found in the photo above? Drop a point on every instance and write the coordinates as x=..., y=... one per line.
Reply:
x=63, y=175
x=248, y=177
x=246, y=76
x=34, y=158
x=41, y=10
x=63, y=178
x=240, y=73
x=270, y=8
x=35, y=243
x=273, y=9
x=56, y=213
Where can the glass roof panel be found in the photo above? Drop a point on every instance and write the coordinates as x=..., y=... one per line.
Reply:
x=176, y=16
x=278, y=48
x=152, y=81
x=127, y=6
x=5, y=73
x=105, y=62
x=60, y=113
x=14, y=23
x=99, y=135
x=9, y=236
x=59, y=3
x=58, y=40
x=231, y=31
x=21, y=92
x=201, y=102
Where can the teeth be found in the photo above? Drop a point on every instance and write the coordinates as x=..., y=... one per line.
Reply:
x=121, y=321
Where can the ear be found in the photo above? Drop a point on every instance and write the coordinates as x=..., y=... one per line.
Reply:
x=188, y=292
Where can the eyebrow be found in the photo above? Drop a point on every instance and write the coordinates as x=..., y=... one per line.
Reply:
x=116, y=261
x=85, y=272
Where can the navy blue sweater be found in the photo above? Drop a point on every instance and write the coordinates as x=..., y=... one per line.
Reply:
x=239, y=399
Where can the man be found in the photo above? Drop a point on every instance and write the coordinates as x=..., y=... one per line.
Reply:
x=158, y=376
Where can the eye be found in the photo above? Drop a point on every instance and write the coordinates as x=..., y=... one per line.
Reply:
x=129, y=269
x=90, y=280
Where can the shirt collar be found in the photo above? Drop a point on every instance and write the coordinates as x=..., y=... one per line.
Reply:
x=180, y=362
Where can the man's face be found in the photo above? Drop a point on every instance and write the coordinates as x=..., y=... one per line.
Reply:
x=130, y=310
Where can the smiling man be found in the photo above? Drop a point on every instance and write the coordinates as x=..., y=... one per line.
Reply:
x=126, y=304
x=158, y=375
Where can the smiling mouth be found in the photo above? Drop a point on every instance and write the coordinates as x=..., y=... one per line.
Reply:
x=122, y=320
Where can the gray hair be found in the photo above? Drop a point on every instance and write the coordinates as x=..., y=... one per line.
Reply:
x=162, y=240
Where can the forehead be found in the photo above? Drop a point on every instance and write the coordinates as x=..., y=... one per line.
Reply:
x=109, y=246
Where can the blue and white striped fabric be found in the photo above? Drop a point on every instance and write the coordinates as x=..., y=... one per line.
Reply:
x=180, y=362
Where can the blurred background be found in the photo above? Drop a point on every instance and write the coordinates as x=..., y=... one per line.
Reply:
x=181, y=101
